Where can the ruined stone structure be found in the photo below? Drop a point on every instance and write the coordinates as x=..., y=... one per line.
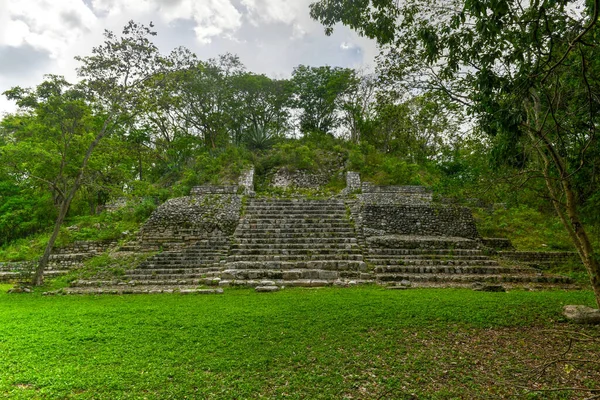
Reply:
x=62, y=260
x=209, y=212
x=286, y=179
x=222, y=236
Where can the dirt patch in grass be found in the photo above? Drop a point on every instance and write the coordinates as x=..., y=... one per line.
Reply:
x=529, y=362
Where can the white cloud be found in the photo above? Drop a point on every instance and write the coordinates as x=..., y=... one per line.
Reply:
x=50, y=26
x=211, y=17
x=271, y=36
x=274, y=11
x=298, y=32
x=214, y=18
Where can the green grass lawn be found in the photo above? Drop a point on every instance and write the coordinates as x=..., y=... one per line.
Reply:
x=297, y=343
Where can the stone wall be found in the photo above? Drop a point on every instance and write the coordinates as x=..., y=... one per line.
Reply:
x=286, y=179
x=497, y=243
x=413, y=219
x=83, y=246
x=541, y=259
x=212, y=189
x=353, y=183
x=394, y=194
x=16, y=266
x=183, y=220
x=246, y=182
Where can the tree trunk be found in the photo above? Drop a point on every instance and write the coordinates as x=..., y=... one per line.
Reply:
x=586, y=251
x=567, y=212
x=38, y=276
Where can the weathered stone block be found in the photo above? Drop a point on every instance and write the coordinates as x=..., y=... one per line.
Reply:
x=267, y=289
x=582, y=314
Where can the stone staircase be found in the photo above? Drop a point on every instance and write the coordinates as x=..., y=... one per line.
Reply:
x=313, y=243
x=182, y=270
x=422, y=261
x=295, y=243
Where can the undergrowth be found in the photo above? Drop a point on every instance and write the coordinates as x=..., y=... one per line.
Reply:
x=527, y=228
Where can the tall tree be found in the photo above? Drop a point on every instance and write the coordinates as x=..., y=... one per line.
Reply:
x=319, y=93
x=204, y=96
x=527, y=71
x=263, y=103
x=114, y=79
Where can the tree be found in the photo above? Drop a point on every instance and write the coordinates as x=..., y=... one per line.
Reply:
x=358, y=106
x=204, y=96
x=263, y=104
x=319, y=92
x=527, y=71
x=114, y=79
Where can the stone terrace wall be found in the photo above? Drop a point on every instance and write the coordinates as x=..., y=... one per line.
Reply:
x=286, y=179
x=184, y=220
x=421, y=220
x=408, y=210
x=539, y=258
x=82, y=246
x=210, y=189
x=395, y=194
x=498, y=243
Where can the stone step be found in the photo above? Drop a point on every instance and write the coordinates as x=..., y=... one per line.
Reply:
x=71, y=256
x=376, y=257
x=293, y=235
x=470, y=278
x=147, y=289
x=278, y=200
x=173, y=254
x=298, y=257
x=329, y=265
x=286, y=215
x=313, y=228
x=420, y=242
x=14, y=267
x=195, y=282
x=303, y=206
x=293, y=226
x=308, y=283
x=426, y=262
x=302, y=251
x=310, y=241
x=325, y=220
x=11, y=276
x=285, y=275
x=408, y=252
x=186, y=258
x=178, y=265
x=169, y=277
x=160, y=271
x=466, y=269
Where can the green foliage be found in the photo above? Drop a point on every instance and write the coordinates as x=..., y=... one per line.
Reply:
x=257, y=139
x=121, y=224
x=24, y=249
x=217, y=167
x=319, y=92
x=23, y=213
x=527, y=228
x=382, y=169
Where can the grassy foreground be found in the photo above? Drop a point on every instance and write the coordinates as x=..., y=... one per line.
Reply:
x=297, y=343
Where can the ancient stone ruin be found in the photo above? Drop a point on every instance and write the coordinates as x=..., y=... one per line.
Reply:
x=222, y=236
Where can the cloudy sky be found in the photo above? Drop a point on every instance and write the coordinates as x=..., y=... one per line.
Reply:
x=40, y=37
